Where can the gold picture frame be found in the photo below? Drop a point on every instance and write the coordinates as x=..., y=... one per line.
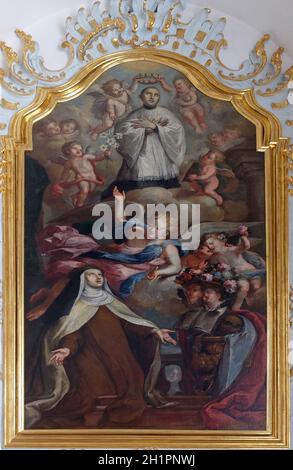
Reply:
x=274, y=147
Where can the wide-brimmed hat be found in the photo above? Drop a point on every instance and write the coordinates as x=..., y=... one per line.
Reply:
x=227, y=287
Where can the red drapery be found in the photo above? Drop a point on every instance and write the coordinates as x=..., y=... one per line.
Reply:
x=243, y=406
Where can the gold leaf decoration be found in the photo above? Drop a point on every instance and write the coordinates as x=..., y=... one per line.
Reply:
x=276, y=62
x=260, y=52
x=151, y=20
x=8, y=105
x=280, y=86
x=10, y=54
x=169, y=20
x=222, y=44
x=28, y=42
x=3, y=169
x=108, y=23
x=280, y=105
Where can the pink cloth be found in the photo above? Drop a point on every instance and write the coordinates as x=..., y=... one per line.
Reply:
x=58, y=240
x=61, y=247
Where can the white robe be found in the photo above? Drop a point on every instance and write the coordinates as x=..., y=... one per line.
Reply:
x=155, y=156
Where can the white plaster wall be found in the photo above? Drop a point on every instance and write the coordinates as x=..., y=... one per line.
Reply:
x=247, y=21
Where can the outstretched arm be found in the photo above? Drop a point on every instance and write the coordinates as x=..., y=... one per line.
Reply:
x=50, y=296
x=209, y=172
x=244, y=244
x=173, y=262
x=69, y=345
x=165, y=85
x=111, y=109
x=119, y=205
x=133, y=86
x=144, y=332
x=164, y=336
x=99, y=157
x=58, y=356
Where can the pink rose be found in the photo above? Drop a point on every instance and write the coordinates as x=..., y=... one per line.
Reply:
x=207, y=277
x=230, y=286
x=223, y=267
x=242, y=230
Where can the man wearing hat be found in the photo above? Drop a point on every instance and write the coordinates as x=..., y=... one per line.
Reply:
x=204, y=333
x=202, y=317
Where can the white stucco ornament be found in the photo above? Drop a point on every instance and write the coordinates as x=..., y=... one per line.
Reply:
x=290, y=94
x=129, y=24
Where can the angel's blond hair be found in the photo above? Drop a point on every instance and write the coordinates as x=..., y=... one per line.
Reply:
x=220, y=157
x=108, y=86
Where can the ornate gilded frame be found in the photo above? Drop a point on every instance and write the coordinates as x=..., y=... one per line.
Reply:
x=275, y=147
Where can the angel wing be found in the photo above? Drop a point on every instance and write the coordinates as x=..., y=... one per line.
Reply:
x=59, y=159
x=226, y=172
x=100, y=98
x=97, y=91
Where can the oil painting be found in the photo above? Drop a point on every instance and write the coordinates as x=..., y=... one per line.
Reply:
x=141, y=332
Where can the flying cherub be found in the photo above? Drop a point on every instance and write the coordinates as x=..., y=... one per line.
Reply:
x=79, y=170
x=234, y=251
x=186, y=99
x=114, y=99
x=208, y=175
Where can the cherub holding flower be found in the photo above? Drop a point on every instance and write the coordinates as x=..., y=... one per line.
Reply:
x=208, y=175
x=234, y=252
x=79, y=170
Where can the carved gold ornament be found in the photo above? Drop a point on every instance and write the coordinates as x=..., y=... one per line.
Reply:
x=260, y=53
x=275, y=150
x=141, y=24
x=94, y=41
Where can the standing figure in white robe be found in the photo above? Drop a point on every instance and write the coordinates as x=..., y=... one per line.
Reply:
x=153, y=146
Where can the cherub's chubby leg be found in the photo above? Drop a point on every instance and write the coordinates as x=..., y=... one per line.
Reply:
x=210, y=190
x=199, y=115
x=242, y=293
x=84, y=190
x=92, y=187
x=197, y=188
x=107, y=123
x=190, y=117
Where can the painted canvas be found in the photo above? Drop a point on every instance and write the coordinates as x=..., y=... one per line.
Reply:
x=141, y=332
